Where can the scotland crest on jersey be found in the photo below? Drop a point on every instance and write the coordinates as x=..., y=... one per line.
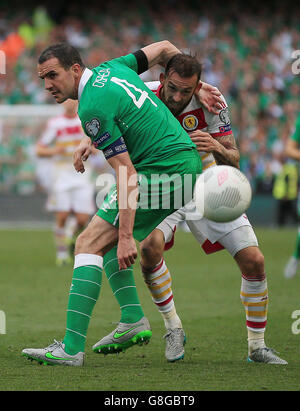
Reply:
x=190, y=122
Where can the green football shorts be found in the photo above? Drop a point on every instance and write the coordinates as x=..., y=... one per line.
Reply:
x=163, y=188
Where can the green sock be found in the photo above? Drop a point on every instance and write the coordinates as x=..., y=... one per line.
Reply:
x=297, y=248
x=84, y=292
x=123, y=286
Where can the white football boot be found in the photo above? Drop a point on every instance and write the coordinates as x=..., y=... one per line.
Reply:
x=265, y=355
x=54, y=354
x=291, y=267
x=175, y=341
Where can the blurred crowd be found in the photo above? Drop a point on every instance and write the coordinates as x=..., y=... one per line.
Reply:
x=246, y=51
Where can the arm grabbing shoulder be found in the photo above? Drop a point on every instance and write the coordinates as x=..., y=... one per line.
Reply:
x=160, y=52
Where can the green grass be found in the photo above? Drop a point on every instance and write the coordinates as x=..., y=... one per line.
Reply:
x=33, y=295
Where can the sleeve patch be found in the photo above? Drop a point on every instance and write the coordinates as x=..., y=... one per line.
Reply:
x=92, y=127
x=101, y=139
x=225, y=129
x=224, y=116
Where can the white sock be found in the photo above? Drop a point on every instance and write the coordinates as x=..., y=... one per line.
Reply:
x=255, y=341
x=171, y=319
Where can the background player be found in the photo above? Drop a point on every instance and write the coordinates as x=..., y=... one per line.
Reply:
x=215, y=142
x=69, y=193
x=293, y=151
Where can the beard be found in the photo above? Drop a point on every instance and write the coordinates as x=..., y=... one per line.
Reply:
x=175, y=108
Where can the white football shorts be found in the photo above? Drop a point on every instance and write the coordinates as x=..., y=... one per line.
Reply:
x=76, y=199
x=233, y=236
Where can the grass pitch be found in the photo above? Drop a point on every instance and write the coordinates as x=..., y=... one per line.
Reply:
x=34, y=294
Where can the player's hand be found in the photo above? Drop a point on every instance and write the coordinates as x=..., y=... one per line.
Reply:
x=209, y=96
x=81, y=154
x=127, y=252
x=204, y=141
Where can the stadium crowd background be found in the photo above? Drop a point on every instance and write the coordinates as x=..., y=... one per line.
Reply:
x=246, y=52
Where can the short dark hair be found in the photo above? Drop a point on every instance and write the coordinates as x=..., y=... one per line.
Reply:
x=185, y=65
x=66, y=54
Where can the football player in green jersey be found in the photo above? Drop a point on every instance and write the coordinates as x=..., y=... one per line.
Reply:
x=293, y=151
x=152, y=156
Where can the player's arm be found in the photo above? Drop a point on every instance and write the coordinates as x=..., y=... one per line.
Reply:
x=127, y=192
x=45, y=151
x=219, y=139
x=159, y=53
x=224, y=148
x=292, y=149
x=227, y=152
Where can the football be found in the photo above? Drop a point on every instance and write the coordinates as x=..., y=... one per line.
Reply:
x=222, y=193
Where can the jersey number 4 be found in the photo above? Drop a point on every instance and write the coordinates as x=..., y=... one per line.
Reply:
x=130, y=88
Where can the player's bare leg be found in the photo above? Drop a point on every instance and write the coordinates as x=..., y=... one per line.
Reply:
x=81, y=221
x=61, y=243
x=158, y=280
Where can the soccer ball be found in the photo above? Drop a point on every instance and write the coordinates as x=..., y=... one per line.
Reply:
x=222, y=193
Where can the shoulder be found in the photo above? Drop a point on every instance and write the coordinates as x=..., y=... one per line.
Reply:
x=93, y=98
x=126, y=61
x=153, y=85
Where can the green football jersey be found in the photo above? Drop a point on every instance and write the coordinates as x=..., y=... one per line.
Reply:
x=115, y=104
x=296, y=134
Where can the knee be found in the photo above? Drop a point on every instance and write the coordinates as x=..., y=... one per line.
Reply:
x=151, y=251
x=253, y=264
x=258, y=264
x=97, y=238
x=81, y=244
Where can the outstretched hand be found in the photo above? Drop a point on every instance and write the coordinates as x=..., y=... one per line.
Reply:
x=210, y=97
